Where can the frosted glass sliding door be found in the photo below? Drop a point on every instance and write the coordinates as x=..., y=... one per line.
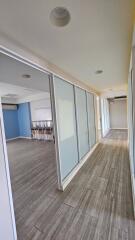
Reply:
x=66, y=126
x=91, y=119
x=82, y=121
x=130, y=122
x=105, y=116
x=7, y=220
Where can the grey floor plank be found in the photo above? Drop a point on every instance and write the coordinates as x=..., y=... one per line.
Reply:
x=96, y=205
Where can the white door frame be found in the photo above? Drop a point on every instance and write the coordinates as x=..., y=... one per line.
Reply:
x=9, y=231
x=56, y=139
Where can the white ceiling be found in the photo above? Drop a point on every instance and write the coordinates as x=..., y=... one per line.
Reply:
x=16, y=89
x=11, y=72
x=97, y=37
x=13, y=91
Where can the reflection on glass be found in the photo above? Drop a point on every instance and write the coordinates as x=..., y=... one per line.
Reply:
x=82, y=121
x=91, y=119
x=66, y=116
x=66, y=126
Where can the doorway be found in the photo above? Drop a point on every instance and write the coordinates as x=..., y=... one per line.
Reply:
x=29, y=131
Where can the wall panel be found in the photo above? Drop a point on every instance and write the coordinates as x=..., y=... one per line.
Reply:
x=91, y=119
x=11, y=123
x=105, y=116
x=82, y=121
x=24, y=119
x=66, y=126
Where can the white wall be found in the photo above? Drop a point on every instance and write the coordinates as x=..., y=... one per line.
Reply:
x=131, y=121
x=118, y=113
x=41, y=110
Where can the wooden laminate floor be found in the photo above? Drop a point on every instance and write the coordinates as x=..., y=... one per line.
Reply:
x=97, y=205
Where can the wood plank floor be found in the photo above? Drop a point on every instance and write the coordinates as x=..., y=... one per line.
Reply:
x=97, y=205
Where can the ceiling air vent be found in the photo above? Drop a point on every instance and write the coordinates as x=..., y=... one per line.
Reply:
x=121, y=97
x=6, y=106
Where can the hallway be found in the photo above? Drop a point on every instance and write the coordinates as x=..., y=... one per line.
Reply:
x=96, y=205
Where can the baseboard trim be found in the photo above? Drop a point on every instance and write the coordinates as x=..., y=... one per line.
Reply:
x=11, y=139
x=119, y=128
x=25, y=137
x=20, y=137
x=132, y=182
x=133, y=191
x=77, y=168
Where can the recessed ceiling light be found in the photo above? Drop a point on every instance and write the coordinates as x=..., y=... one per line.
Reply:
x=99, y=71
x=26, y=76
x=60, y=16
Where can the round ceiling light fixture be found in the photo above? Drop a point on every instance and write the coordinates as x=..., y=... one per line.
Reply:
x=60, y=16
x=27, y=76
x=99, y=71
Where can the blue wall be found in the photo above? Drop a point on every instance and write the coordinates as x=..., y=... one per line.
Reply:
x=17, y=122
x=24, y=119
x=11, y=123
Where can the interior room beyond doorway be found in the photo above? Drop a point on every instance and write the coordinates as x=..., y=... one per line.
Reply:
x=27, y=117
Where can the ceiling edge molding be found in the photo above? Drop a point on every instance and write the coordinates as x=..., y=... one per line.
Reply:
x=59, y=72
x=17, y=49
